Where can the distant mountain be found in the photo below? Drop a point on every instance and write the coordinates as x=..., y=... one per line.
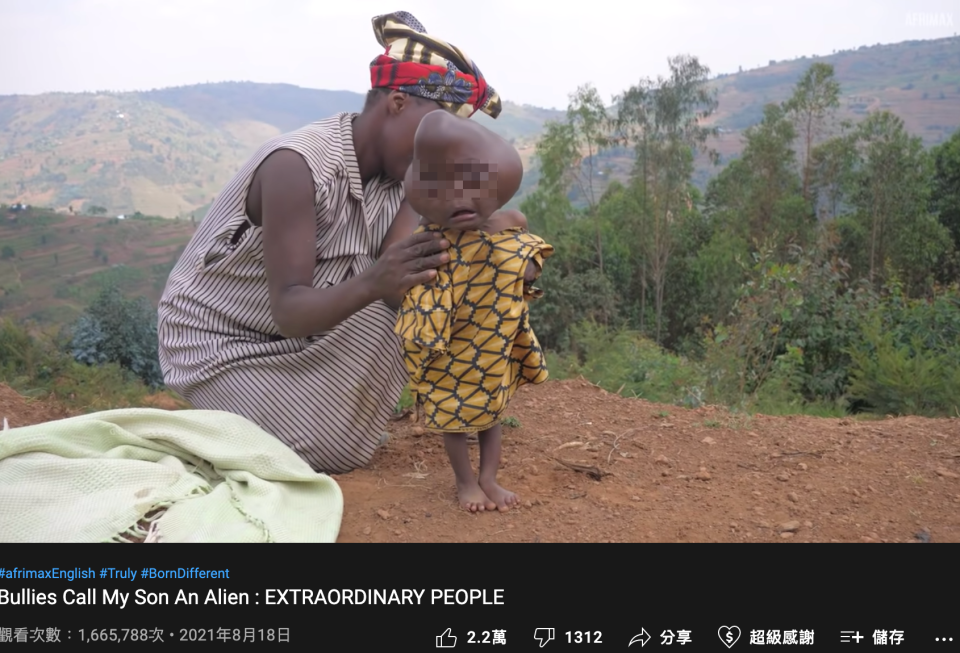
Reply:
x=168, y=152
x=165, y=152
x=917, y=80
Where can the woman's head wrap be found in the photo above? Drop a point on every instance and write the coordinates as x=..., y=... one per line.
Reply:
x=427, y=67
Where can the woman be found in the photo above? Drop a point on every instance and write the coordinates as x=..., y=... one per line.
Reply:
x=279, y=308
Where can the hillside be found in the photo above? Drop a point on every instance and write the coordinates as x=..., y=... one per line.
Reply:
x=167, y=152
x=917, y=80
x=164, y=152
x=53, y=265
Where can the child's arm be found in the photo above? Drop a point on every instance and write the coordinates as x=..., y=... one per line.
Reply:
x=511, y=219
x=530, y=276
x=505, y=219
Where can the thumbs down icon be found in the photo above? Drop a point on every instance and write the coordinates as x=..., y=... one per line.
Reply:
x=544, y=636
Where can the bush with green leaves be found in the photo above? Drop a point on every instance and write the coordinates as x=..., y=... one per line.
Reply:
x=787, y=342
x=626, y=362
x=908, y=359
x=33, y=362
x=118, y=330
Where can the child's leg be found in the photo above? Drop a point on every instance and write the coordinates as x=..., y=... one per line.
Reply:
x=489, y=465
x=472, y=498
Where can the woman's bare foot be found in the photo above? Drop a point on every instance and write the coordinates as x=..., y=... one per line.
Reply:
x=503, y=499
x=473, y=499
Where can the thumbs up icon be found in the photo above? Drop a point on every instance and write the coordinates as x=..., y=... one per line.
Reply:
x=446, y=640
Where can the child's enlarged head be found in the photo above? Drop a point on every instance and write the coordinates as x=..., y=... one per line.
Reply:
x=461, y=172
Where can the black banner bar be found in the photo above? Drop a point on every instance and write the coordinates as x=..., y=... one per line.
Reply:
x=482, y=597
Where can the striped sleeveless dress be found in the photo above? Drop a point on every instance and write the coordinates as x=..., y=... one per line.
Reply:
x=328, y=396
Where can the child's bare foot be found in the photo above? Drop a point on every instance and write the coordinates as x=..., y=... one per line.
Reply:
x=472, y=498
x=502, y=499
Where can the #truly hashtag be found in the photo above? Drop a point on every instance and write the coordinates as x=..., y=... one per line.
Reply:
x=146, y=570
x=103, y=573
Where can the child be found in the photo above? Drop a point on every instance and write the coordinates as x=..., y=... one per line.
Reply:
x=467, y=338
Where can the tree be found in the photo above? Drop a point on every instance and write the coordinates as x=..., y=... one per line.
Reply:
x=891, y=195
x=946, y=185
x=7, y=253
x=566, y=153
x=663, y=120
x=96, y=210
x=757, y=197
x=816, y=95
x=832, y=166
x=587, y=115
x=588, y=118
x=115, y=329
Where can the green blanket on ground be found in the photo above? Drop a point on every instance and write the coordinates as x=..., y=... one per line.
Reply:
x=216, y=476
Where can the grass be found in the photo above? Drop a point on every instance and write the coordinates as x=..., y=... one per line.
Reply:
x=36, y=365
x=625, y=363
x=405, y=402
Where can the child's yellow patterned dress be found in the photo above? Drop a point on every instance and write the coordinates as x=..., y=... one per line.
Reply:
x=467, y=339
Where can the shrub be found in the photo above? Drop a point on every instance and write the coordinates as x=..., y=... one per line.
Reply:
x=626, y=362
x=908, y=359
x=122, y=331
x=35, y=364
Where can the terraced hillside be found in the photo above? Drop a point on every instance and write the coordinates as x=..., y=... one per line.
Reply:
x=53, y=265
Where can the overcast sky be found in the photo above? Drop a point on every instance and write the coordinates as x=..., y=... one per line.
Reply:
x=531, y=51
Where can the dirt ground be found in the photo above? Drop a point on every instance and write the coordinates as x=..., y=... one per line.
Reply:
x=594, y=467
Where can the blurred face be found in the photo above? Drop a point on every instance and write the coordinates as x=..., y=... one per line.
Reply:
x=405, y=113
x=453, y=192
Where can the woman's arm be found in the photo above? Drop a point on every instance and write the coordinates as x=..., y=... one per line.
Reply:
x=289, y=247
x=404, y=224
x=289, y=220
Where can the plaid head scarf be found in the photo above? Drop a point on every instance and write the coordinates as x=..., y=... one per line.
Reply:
x=427, y=67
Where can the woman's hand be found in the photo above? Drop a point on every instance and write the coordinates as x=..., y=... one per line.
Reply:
x=405, y=264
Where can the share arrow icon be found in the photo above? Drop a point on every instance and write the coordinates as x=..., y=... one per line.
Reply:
x=643, y=638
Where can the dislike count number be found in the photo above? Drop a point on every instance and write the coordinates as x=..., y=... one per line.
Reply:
x=583, y=637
